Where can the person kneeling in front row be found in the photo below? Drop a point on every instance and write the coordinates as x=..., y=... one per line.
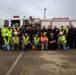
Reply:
x=44, y=42
x=52, y=42
x=6, y=42
x=36, y=41
x=15, y=41
x=25, y=42
x=62, y=41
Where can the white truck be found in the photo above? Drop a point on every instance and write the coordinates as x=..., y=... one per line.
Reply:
x=20, y=21
x=10, y=22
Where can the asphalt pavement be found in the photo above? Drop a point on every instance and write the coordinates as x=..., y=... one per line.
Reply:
x=51, y=62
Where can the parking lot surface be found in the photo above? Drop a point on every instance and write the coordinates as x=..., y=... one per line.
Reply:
x=52, y=62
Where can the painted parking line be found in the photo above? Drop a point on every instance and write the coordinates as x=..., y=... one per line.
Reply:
x=14, y=64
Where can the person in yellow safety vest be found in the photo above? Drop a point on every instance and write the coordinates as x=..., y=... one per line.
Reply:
x=6, y=42
x=25, y=42
x=62, y=29
x=3, y=34
x=66, y=30
x=9, y=31
x=3, y=31
x=15, y=41
x=16, y=29
x=62, y=41
x=67, y=37
x=36, y=41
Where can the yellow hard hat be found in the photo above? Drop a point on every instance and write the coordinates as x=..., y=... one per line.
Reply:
x=52, y=34
x=16, y=24
x=44, y=33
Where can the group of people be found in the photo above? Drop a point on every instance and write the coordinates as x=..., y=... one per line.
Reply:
x=26, y=38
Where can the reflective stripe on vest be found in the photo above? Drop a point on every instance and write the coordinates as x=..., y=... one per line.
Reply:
x=16, y=30
x=67, y=30
x=7, y=41
x=36, y=40
x=15, y=39
x=25, y=39
x=9, y=32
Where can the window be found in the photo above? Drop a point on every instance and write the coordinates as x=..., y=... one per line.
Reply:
x=26, y=22
x=13, y=22
x=6, y=22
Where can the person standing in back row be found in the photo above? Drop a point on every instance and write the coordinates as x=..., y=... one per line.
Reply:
x=30, y=32
x=0, y=38
x=49, y=30
x=38, y=31
x=56, y=32
x=71, y=36
x=9, y=31
x=44, y=30
x=3, y=34
x=16, y=29
x=62, y=30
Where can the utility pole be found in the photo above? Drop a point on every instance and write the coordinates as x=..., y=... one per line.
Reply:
x=45, y=13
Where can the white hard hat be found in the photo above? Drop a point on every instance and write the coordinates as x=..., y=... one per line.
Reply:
x=9, y=25
x=6, y=34
x=15, y=32
x=60, y=33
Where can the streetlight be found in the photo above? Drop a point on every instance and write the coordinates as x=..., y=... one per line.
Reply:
x=45, y=13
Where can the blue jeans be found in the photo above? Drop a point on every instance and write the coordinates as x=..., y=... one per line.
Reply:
x=64, y=46
x=6, y=47
x=45, y=46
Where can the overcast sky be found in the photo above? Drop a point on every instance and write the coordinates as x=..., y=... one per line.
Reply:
x=35, y=8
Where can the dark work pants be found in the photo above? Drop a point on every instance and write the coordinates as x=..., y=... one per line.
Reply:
x=26, y=47
x=15, y=46
x=2, y=43
x=67, y=38
x=75, y=43
x=71, y=42
x=53, y=46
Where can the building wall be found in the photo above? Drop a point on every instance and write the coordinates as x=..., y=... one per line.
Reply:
x=57, y=23
x=1, y=23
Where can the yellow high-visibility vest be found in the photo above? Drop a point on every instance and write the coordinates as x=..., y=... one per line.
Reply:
x=6, y=41
x=15, y=39
x=3, y=32
x=9, y=32
x=25, y=39
x=36, y=40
